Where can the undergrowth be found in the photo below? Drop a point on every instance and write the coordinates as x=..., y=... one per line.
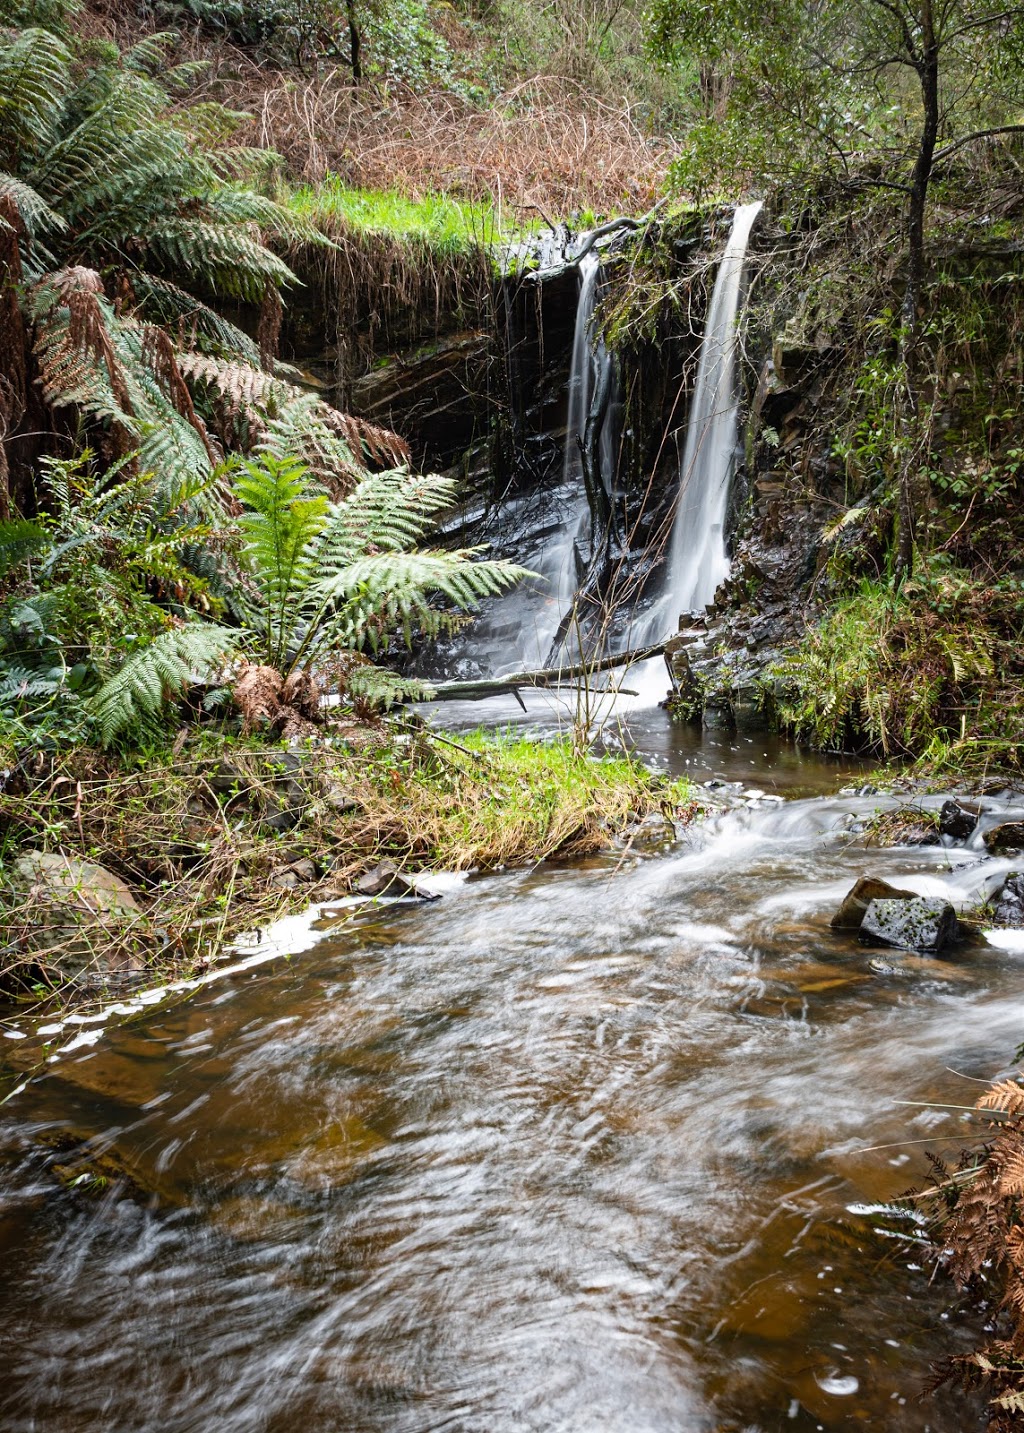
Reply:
x=219, y=835
x=911, y=672
x=973, y=1226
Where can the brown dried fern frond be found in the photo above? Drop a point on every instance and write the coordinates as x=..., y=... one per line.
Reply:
x=1007, y=1096
x=159, y=353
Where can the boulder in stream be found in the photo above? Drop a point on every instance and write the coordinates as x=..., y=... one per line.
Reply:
x=1007, y=836
x=1009, y=908
x=922, y=923
x=957, y=819
x=859, y=897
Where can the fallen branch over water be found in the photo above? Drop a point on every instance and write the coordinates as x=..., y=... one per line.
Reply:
x=546, y=677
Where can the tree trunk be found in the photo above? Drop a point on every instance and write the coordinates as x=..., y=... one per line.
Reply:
x=927, y=66
x=355, y=43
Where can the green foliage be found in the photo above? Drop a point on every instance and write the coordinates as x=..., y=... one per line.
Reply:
x=103, y=172
x=894, y=669
x=397, y=41
x=160, y=670
x=437, y=221
x=90, y=586
x=786, y=93
x=326, y=578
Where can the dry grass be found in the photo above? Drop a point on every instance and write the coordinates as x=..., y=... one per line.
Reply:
x=546, y=144
x=220, y=836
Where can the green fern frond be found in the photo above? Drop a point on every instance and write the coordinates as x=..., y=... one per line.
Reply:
x=19, y=540
x=162, y=669
x=396, y=590
x=227, y=260
x=168, y=304
x=34, y=78
x=18, y=684
x=36, y=214
x=384, y=688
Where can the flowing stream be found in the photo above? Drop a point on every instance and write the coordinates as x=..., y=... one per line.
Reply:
x=573, y=1148
x=579, y=1149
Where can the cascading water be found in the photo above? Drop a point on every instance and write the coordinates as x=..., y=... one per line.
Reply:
x=530, y=626
x=697, y=560
x=561, y=567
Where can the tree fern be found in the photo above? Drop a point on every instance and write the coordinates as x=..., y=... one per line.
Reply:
x=283, y=522
x=161, y=669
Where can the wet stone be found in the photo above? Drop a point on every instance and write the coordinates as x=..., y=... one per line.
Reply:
x=921, y=923
x=956, y=820
x=859, y=897
x=1008, y=910
x=1007, y=836
x=387, y=880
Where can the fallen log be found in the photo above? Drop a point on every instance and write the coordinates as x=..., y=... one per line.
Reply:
x=547, y=677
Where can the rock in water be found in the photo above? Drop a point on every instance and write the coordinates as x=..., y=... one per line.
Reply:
x=921, y=923
x=851, y=913
x=1009, y=908
x=956, y=821
x=1007, y=836
x=387, y=880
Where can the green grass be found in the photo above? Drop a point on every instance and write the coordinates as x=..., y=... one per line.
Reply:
x=437, y=221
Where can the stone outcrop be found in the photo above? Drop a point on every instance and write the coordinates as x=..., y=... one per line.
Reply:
x=920, y=923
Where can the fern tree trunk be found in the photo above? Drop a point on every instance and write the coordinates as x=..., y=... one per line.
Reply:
x=18, y=447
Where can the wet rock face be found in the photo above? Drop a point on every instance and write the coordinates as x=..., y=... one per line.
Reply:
x=920, y=923
x=850, y=915
x=1009, y=908
x=957, y=820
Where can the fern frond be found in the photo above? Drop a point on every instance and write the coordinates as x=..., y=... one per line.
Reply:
x=175, y=307
x=34, y=78
x=384, y=688
x=1006, y=1096
x=36, y=214
x=19, y=540
x=396, y=589
x=224, y=258
x=283, y=522
x=151, y=677
x=20, y=683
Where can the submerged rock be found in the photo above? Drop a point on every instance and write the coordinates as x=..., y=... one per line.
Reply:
x=921, y=923
x=859, y=897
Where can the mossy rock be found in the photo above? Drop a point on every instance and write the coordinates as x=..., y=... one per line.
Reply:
x=68, y=920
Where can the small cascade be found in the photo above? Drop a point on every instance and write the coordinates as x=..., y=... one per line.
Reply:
x=531, y=626
x=697, y=560
x=563, y=561
x=589, y=379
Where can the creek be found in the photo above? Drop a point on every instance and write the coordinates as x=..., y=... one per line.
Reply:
x=585, y=1148
x=574, y=1148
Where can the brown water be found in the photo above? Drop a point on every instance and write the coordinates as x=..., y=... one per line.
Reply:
x=569, y=1150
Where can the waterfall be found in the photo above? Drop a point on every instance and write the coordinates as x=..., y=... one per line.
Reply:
x=562, y=566
x=697, y=559
x=526, y=628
